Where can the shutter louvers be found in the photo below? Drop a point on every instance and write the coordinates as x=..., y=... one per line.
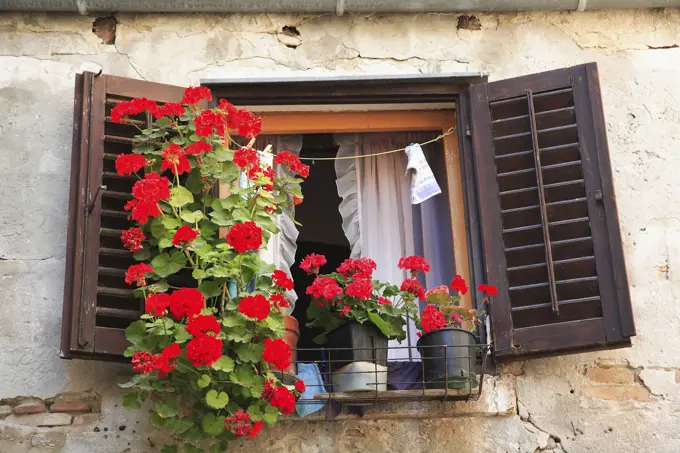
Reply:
x=100, y=304
x=560, y=275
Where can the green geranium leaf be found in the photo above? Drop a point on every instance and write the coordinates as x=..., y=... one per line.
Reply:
x=230, y=201
x=210, y=289
x=158, y=421
x=180, y=196
x=188, y=448
x=142, y=255
x=218, y=447
x=181, y=336
x=169, y=449
x=204, y=381
x=192, y=435
x=165, y=264
x=271, y=414
x=213, y=426
x=136, y=331
x=233, y=321
x=132, y=400
x=181, y=425
x=199, y=274
x=158, y=230
x=192, y=217
x=216, y=400
x=169, y=408
x=225, y=364
x=380, y=323
x=221, y=218
x=223, y=154
x=170, y=223
x=160, y=286
x=250, y=352
x=193, y=182
x=164, y=243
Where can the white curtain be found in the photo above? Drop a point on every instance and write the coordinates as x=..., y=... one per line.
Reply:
x=281, y=247
x=376, y=209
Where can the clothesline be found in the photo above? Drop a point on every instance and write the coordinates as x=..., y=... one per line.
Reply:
x=437, y=138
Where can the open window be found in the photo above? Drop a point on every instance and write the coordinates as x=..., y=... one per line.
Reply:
x=527, y=179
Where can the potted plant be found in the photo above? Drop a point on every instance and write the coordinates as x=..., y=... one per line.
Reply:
x=208, y=348
x=447, y=343
x=358, y=315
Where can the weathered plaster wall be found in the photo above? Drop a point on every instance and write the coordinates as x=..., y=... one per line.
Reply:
x=624, y=401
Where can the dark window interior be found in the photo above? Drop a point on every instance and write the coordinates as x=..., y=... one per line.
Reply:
x=321, y=230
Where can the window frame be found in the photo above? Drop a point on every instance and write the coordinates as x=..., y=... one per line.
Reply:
x=302, y=94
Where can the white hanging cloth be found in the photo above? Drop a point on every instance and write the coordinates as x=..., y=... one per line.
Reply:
x=423, y=184
x=281, y=247
x=376, y=210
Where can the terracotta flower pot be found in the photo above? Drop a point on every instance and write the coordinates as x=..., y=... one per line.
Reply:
x=291, y=337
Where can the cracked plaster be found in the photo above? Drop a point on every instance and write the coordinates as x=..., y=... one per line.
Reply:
x=540, y=405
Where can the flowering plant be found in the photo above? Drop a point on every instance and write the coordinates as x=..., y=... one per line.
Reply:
x=206, y=349
x=444, y=310
x=351, y=294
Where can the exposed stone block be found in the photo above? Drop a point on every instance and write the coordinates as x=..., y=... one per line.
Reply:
x=5, y=411
x=618, y=392
x=30, y=407
x=613, y=375
x=72, y=406
x=85, y=419
x=45, y=419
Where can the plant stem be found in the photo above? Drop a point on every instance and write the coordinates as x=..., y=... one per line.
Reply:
x=188, y=255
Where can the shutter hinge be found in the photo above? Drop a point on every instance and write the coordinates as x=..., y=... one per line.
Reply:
x=468, y=131
x=93, y=200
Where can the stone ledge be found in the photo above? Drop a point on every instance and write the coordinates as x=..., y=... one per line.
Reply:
x=498, y=399
x=41, y=420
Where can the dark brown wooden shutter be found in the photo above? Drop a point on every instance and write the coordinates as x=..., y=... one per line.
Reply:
x=552, y=243
x=98, y=304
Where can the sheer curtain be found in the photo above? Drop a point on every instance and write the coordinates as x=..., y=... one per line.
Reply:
x=378, y=218
x=281, y=247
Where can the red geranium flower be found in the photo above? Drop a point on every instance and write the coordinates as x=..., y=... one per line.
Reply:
x=414, y=287
x=300, y=386
x=239, y=423
x=197, y=148
x=324, y=288
x=244, y=237
x=204, y=350
x=132, y=239
x=168, y=109
x=282, y=280
x=175, y=160
x=292, y=162
x=297, y=200
x=437, y=289
x=193, y=95
x=276, y=353
x=132, y=107
x=361, y=268
x=184, y=235
x=432, y=319
x=208, y=122
x=246, y=158
x=361, y=289
x=255, y=429
x=202, y=324
x=157, y=304
x=488, y=289
x=283, y=399
x=143, y=362
x=241, y=120
x=414, y=263
x=345, y=310
x=165, y=363
x=148, y=192
x=459, y=284
x=256, y=306
x=186, y=302
x=137, y=274
x=126, y=164
x=383, y=301
x=279, y=300
x=312, y=263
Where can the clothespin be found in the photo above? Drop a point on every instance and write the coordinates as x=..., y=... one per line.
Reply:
x=268, y=149
x=251, y=143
